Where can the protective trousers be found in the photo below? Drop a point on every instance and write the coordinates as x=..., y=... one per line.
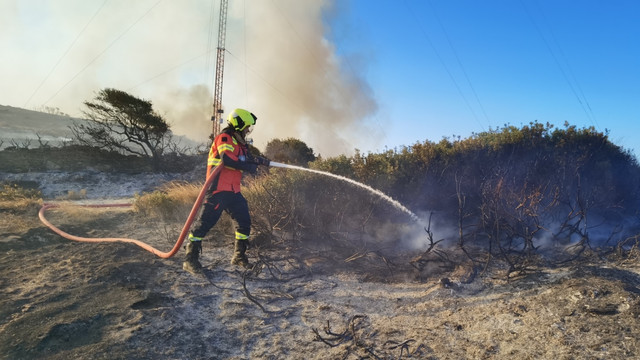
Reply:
x=234, y=204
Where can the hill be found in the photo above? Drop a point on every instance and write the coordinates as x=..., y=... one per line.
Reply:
x=36, y=152
x=22, y=127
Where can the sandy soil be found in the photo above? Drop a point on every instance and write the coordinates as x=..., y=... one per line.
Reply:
x=61, y=299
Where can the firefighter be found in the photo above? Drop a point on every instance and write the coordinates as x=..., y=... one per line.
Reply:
x=229, y=149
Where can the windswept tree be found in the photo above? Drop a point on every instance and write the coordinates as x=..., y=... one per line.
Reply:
x=118, y=121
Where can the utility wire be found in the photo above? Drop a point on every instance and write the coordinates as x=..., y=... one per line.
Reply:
x=433, y=47
x=103, y=51
x=566, y=61
x=582, y=101
x=464, y=71
x=255, y=72
x=319, y=63
x=170, y=69
x=65, y=53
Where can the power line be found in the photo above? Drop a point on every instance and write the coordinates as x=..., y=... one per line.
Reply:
x=464, y=71
x=584, y=104
x=435, y=50
x=65, y=53
x=255, y=72
x=170, y=69
x=102, y=52
x=319, y=63
x=566, y=61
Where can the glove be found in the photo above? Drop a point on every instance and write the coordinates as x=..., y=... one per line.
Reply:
x=252, y=168
x=262, y=161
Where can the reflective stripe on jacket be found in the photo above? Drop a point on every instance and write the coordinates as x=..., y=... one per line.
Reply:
x=226, y=145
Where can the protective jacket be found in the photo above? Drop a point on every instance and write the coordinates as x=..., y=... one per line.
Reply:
x=235, y=158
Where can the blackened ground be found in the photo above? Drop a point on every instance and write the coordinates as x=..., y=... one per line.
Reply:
x=61, y=299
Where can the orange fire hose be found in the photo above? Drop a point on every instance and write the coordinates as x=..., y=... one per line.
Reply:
x=164, y=255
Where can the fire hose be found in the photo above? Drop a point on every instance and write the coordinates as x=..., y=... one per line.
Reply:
x=164, y=255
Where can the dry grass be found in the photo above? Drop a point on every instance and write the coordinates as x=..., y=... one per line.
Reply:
x=76, y=195
x=13, y=224
x=166, y=210
x=170, y=203
x=19, y=208
x=81, y=214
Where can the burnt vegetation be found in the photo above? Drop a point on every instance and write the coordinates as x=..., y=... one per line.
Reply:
x=510, y=198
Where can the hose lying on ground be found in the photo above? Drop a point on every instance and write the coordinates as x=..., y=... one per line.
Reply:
x=164, y=255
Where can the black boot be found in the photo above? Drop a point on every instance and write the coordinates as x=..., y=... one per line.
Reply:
x=239, y=256
x=191, y=263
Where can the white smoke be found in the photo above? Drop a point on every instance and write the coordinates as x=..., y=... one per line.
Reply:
x=279, y=64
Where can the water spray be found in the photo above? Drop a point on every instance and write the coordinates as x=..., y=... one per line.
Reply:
x=386, y=197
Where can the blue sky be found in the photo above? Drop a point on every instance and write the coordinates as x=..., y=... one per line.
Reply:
x=339, y=75
x=443, y=68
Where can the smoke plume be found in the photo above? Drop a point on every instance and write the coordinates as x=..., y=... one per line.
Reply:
x=279, y=64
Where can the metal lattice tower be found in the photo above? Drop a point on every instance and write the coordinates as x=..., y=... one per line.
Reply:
x=216, y=118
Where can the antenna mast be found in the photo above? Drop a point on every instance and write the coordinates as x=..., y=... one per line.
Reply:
x=216, y=118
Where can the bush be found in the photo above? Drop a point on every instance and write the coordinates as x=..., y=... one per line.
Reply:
x=320, y=213
x=289, y=151
x=511, y=192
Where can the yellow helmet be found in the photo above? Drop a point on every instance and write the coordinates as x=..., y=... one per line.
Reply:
x=240, y=119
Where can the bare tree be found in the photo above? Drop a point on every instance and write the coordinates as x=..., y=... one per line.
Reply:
x=43, y=144
x=25, y=144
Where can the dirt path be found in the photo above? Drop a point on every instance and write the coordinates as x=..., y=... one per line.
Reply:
x=61, y=299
